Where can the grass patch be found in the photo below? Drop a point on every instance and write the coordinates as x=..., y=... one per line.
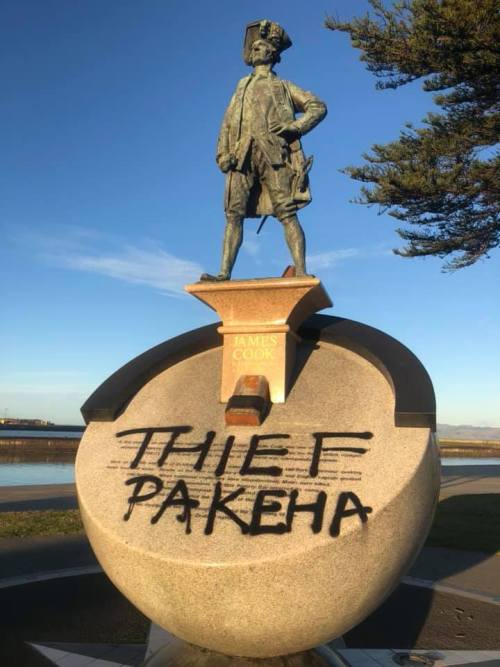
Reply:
x=47, y=522
x=469, y=522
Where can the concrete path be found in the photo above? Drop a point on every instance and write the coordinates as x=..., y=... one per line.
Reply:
x=472, y=571
x=91, y=655
x=461, y=480
x=94, y=655
x=38, y=497
x=25, y=556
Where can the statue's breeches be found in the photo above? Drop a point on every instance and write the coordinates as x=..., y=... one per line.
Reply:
x=259, y=180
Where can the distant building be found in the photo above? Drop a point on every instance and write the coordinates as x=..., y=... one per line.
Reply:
x=15, y=421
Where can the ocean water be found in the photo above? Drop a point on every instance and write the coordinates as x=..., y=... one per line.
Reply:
x=18, y=468
x=22, y=433
x=21, y=474
x=469, y=461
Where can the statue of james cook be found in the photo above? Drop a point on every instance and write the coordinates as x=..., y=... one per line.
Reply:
x=259, y=147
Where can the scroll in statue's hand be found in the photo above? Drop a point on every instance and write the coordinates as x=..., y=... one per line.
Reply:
x=227, y=163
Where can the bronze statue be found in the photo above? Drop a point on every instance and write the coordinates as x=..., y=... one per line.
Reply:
x=259, y=147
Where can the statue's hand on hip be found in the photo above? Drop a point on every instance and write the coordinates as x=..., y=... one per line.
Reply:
x=288, y=131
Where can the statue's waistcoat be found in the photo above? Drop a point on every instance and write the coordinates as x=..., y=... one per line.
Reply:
x=231, y=136
x=282, y=102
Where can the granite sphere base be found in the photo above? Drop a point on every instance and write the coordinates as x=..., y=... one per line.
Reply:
x=265, y=541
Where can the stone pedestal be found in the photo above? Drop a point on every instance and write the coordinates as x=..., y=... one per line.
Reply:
x=267, y=541
x=260, y=319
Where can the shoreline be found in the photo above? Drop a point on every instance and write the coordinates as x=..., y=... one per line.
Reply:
x=462, y=448
x=19, y=445
x=453, y=453
x=6, y=426
x=38, y=445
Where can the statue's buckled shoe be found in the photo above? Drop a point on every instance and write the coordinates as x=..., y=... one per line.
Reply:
x=208, y=277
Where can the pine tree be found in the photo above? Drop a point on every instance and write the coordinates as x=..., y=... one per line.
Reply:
x=441, y=178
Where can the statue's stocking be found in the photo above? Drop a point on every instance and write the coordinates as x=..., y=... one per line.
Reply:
x=295, y=239
x=233, y=237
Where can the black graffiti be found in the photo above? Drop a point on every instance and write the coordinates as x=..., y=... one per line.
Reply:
x=183, y=501
x=223, y=504
x=219, y=504
x=135, y=498
x=203, y=448
x=265, y=506
x=254, y=450
x=175, y=432
x=221, y=467
x=273, y=471
x=261, y=507
x=317, y=509
x=341, y=512
x=318, y=447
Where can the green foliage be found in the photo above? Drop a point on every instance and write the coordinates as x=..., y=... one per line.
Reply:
x=442, y=178
x=48, y=522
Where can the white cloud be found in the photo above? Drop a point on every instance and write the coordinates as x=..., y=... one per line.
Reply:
x=94, y=252
x=152, y=267
x=326, y=260
x=251, y=247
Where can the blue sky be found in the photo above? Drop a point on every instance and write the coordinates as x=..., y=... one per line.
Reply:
x=111, y=200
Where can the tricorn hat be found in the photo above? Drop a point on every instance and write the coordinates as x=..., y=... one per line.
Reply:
x=268, y=30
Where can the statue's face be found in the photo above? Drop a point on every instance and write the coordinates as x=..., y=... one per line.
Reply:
x=261, y=53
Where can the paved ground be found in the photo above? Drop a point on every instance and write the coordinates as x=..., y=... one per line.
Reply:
x=38, y=497
x=77, y=610
x=26, y=556
x=460, y=480
x=472, y=571
x=59, y=596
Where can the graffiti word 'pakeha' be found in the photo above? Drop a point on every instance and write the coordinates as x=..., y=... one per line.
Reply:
x=223, y=503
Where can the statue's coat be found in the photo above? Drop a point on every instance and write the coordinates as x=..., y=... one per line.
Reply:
x=288, y=99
